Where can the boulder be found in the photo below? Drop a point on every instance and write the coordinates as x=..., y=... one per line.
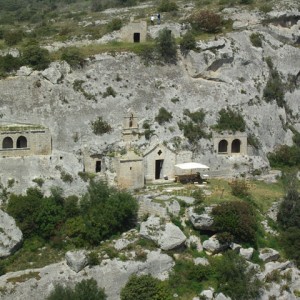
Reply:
x=221, y=296
x=246, y=253
x=268, y=254
x=56, y=71
x=201, y=261
x=10, y=235
x=213, y=245
x=24, y=71
x=166, y=236
x=207, y=294
x=76, y=260
x=202, y=221
x=173, y=207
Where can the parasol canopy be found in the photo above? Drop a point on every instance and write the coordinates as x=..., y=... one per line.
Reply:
x=191, y=166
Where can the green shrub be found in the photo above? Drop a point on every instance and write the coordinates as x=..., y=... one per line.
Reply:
x=93, y=259
x=167, y=5
x=230, y=120
x=265, y=8
x=290, y=241
x=8, y=63
x=147, y=53
x=205, y=20
x=199, y=196
x=36, y=57
x=274, y=89
x=86, y=289
x=246, y=1
x=166, y=46
x=73, y=56
x=237, y=218
x=187, y=43
x=13, y=37
x=239, y=188
x=100, y=126
x=145, y=287
x=38, y=181
x=285, y=156
x=234, y=277
x=255, y=39
x=109, y=92
x=163, y=116
x=114, y=24
x=148, y=132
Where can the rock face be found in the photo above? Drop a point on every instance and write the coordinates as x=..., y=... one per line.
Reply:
x=10, y=235
x=111, y=275
x=268, y=254
x=76, y=260
x=213, y=246
x=166, y=236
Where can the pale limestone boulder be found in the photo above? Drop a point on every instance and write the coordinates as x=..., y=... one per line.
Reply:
x=247, y=253
x=56, y=71
x=221, y=296
x=268, y=254
x=166, y=236
x=202, y=221
x=213, y=245
x=208, y=294
x=201, y=261
x=76, y=260
x=24, y=71
x=10, y=235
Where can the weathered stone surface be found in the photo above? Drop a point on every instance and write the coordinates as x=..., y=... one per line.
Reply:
x=167, y=236
x=208, y=294
x=202, y=221
x=10, y=235
x=246, y=253
x=24, y=71
x=76, y=260
x=111, y=275
x=201, y=261
x=268, y=254
x=213, y=246
x=173, y=207
x=56, y=71
x=221, y=296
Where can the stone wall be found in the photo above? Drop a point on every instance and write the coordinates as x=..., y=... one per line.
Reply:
x=24, y=141
x=230, y=143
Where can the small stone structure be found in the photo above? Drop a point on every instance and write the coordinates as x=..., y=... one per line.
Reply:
x=130, y=171
x=93, y=163
x=130, y=128
x=134, y=32
x=230, y=143
x=159, y=161
x=24, y=140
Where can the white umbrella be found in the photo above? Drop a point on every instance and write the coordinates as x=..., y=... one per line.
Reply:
x=191, y=166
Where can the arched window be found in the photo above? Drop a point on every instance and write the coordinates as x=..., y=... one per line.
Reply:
x=7, y=143
x=236, y=146
x=223, y=145
x=22, y=142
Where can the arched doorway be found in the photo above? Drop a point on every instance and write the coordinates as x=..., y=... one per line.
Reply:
x=7, y=143
x=223, y=146
x=236, y=146
x=22, y=142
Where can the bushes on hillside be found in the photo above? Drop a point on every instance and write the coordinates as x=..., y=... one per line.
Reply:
x=237, y=218
x=100, y=126
x=72, y=56
x=166, y=46
x=235, y=278
x=36, y=57
x=285, y=156
x=230, y=120
x=167, y=5
x=239, y=188
x=187, y=43
x=86, y=289
x=13, y=37
x=145, y=287
x=163, y=116
x=102, y=212
x=206, y=21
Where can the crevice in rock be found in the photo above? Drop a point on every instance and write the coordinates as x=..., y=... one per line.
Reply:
x=219, y=63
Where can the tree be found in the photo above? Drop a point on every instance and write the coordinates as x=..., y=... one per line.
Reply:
x=237, y=218
x=144, y=287
x=230, y=120
x=72, y=56
x=36, y=57
x=205, y=20
x=166, y=46
x=187, y=43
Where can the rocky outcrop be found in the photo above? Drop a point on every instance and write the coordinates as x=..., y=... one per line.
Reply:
x=36, y=284
x=10, y=235
x=268, y=254
x=166, y=236
x=76, y=260
x=212, y=245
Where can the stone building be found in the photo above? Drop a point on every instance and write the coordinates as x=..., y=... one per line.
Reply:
x=230, y=143
x=159, y=161
x=134, y=32
x=24, y=140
